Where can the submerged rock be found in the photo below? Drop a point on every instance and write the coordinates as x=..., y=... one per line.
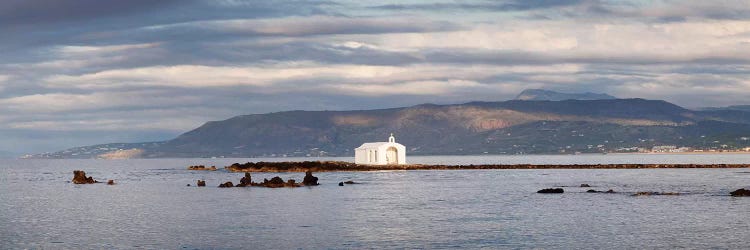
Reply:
x=655, y=193
x=309, y=179
x=227, y=184
x=350, y=182
x=110, y=182
x=551, y=191
x=585, y=185
x=201, y=183
x=79, y=177
x=291, y=183
x=596, y=191
x=740, y=192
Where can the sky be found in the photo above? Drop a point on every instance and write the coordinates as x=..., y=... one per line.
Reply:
x=82, y=72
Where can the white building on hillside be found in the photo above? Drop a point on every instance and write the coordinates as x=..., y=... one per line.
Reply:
x=380, y=153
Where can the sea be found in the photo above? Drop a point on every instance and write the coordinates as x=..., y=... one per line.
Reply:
x=151, y=206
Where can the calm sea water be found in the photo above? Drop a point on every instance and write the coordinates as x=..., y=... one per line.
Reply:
x=151, y=206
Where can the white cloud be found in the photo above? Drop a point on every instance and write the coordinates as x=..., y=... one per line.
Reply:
x=3, y=80
x=406, y=88
x=66, y=102
x=68, y=50
x=682, y=41
x=309, y=26
x=268, y=78
x=108, y=124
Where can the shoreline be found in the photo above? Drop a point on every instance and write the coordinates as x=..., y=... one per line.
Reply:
x=683, y=153
x=339, y=166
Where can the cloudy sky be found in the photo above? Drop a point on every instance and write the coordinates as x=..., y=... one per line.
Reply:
x=79, y=72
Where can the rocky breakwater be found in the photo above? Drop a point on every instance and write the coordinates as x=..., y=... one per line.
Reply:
x=304, y=166
x=327, y=166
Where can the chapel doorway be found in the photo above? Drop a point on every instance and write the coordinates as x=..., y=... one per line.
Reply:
x=391, y=156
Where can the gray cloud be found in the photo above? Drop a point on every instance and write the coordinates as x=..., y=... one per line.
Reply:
x=506, y=5
x=35, y=12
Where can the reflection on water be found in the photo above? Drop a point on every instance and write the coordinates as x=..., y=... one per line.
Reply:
x=151, y=206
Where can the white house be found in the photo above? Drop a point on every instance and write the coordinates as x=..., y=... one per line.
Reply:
x=380, y=153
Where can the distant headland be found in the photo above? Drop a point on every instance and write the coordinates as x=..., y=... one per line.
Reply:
x=539, y=122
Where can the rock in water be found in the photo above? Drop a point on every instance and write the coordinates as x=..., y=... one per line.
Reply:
x=227, y=184
x=275, y=182
x=551, y=191
x=655, y=193
x=201, y=183
x=585, y=185
x=245, y=181
x=349, y=182
x=110, y=182
x=740, y=192
x=79, y=177
x=309, y=179
x=606, y=192
x=201, y=167
x=341, y=184
x=291, y=183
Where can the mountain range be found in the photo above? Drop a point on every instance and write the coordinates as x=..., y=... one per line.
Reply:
x=506, y=127
x=549, y=95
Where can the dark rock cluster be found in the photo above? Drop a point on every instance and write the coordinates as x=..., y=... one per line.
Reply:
x=201, y=167
x=246, y=180
x=309, y=179
x=275, y=182
x=551, y=191
x=596, y=191
x=740, y=192
x=79, y=177
x=347, y=183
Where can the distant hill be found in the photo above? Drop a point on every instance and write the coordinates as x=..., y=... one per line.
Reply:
x=734, y=107
x=549, y=95
x=509, y=127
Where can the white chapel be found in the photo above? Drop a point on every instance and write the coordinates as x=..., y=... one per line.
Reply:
x=380, y=153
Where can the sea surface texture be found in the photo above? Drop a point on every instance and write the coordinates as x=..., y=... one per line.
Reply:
x=152, y=207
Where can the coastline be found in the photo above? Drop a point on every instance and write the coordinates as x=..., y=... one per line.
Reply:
x=684, y=153
x=339, y=166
